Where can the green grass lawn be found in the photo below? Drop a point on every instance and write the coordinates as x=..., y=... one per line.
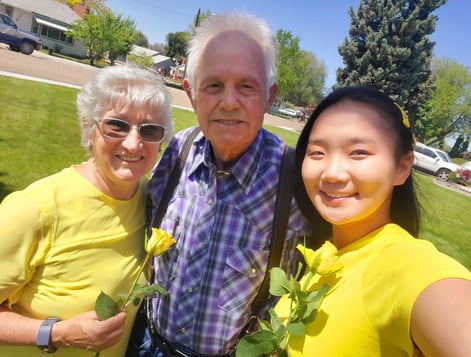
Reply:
x=39, y=135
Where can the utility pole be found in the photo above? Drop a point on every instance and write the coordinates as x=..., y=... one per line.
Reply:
x=197, y=20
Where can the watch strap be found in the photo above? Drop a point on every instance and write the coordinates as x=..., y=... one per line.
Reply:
x=43, y=340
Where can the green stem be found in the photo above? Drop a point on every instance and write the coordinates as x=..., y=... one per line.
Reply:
x=133, y=286
x=309, y=277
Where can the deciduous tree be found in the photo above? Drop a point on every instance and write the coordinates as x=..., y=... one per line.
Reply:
x=141, y=39
x=102, y=32
x=301, y=76
x=448, y=110
x=176, y=45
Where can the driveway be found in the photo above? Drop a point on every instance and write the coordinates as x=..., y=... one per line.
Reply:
x=55, y=69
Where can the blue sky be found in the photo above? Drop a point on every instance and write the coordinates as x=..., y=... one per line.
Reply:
x=321, y=25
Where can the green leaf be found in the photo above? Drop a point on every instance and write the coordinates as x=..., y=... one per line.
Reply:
x=281, y=353
x=150, y=290
x=297, y=328
x=264, y=325
x=279, y=284
x=275, y=319
x=293, y=285
x=256, y=344
x=314, y=299
x=136, y=301
x=280, y=335
x=105, y=306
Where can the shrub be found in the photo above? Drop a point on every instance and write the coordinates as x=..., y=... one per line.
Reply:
x=466, y=176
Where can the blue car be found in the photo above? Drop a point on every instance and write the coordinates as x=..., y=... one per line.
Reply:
x=18, y=40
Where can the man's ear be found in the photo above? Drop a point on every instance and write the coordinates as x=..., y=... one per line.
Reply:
x=272, y=97
x=187, y=89
x=404, y=169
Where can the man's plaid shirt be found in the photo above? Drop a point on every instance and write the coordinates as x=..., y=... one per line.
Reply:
x=223, y=230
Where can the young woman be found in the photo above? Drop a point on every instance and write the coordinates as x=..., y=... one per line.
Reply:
x=396, y=295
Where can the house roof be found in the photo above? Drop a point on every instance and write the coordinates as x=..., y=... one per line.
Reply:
x=49, y=8
x=143, y=51
x=157, y=59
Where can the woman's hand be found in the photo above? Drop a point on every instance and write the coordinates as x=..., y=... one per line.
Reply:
x=87, y=332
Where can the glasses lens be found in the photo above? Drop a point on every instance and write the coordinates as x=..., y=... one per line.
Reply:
x=115, y=128
x=152, y=132
x=119, y=129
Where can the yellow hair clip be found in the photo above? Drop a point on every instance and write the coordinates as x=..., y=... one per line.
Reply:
x=405, y=120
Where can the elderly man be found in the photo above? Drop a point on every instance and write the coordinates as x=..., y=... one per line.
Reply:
x=222, y=209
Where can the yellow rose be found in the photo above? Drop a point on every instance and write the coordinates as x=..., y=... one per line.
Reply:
x=322, y=261
x=159, y=242
x=310, y=257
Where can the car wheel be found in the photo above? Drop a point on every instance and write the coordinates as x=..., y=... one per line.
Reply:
x=14, y=48
x=443, y=174
x=27, y=48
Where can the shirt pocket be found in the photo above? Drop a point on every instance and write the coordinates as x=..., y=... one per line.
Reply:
x=243, y=273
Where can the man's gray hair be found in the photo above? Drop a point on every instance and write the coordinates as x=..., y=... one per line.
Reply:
x=248, y=24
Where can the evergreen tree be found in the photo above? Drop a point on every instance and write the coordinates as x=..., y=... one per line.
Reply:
x=389, y=49
x=460, y=146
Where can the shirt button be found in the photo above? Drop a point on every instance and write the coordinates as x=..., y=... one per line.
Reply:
x=254, y=270
x=190, y=290
x=183, y=330
x=200, y=245
x=210, y=201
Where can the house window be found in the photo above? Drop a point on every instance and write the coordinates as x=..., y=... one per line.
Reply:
x=9, y=11
x=52, y=31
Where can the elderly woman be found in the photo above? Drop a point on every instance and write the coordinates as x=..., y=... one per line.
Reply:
x=69, y=236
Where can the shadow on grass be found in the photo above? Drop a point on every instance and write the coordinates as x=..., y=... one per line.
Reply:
x=4, y=189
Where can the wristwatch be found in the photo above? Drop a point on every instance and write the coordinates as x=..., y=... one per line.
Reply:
x=44, y=335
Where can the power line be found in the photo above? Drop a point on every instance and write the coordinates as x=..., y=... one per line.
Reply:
x=162, y=8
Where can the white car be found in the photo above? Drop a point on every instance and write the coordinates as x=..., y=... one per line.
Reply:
x=466, y=165
x=289, y=112
x=434, y=161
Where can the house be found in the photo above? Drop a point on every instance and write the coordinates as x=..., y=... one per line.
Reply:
x=161, y=64
x=48, y=19
x=178, y=72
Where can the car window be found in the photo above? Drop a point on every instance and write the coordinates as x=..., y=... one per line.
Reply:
x=8, y=21
x=418, y=149
x=429, y=153
x=444, y=156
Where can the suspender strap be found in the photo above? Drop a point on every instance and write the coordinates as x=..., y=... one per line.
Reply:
x=172, y=182
x=173, y=178
x=280, y=224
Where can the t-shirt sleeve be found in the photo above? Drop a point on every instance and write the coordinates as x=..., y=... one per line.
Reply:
x=24, y=243
x=394, y=279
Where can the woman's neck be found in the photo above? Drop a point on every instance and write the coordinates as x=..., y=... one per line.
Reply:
x=122, y=191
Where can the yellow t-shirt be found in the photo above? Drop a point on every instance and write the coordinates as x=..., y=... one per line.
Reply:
x=62, y=242
x=367, y=309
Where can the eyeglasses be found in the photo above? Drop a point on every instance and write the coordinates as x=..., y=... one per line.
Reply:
x=118, y=129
